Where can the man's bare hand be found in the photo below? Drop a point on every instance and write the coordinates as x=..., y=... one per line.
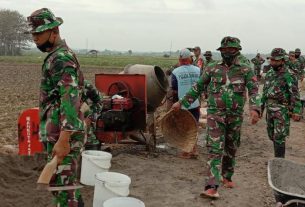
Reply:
x=176, y=106
x=62, y=146
x=254, y=116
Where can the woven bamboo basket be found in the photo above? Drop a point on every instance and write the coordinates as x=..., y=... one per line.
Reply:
x=180, y=129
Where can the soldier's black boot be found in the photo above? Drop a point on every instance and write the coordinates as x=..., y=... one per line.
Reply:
x=279, y=150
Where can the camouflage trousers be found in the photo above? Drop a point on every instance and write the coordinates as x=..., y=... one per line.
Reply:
x=67, y=173
x=257, y=71
x=278, y=123
x=90, y=130
x=223, y=139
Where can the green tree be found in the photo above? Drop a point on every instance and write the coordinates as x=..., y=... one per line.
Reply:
x=13, y=26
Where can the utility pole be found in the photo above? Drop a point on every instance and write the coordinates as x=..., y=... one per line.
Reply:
x=86, y=45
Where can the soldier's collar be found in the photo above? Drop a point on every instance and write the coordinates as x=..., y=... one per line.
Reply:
x=237, y=61
x=61, y=43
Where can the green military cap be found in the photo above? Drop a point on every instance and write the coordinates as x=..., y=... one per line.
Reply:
x=297, y=50
x=278, y=54
x=291, y=53
x=230, y=42
x=42, y=20
x=207, y=53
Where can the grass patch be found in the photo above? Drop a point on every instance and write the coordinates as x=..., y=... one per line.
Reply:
x=100, y=61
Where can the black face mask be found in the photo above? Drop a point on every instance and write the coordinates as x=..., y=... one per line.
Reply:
x=43, y=47
x=297, y=55
x=276, y=67
x=228, y=58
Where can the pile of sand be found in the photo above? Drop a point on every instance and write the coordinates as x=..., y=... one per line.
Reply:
x=17, y=178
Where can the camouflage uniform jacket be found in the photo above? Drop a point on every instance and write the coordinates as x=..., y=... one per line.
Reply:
x=257, y=62
x=93, y=98
x=243, y=59
x=207, y=62
x=60, y=94
x=280, y=90
x=226, y=87
x=301, y=60
x=295, y=68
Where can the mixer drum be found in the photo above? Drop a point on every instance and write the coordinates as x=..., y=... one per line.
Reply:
x=156, y=83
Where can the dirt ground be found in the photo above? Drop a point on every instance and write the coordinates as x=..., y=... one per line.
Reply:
x=164, y=180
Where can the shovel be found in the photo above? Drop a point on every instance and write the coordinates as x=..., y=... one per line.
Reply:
x=46, y=174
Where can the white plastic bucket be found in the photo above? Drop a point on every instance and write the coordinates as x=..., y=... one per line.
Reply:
x=123, y=202
x=94, y=162
x=109, y=185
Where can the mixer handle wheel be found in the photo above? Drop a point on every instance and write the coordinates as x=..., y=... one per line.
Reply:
x=120, y=88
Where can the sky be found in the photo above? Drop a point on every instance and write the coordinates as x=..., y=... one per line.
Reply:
x=161, y=25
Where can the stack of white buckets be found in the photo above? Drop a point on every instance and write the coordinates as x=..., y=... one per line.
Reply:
x=110, y=188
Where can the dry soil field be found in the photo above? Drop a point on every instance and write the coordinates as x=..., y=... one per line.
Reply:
x=162, y=181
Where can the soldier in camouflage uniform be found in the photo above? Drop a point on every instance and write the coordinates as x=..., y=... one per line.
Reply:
x=226, y=82
x=300, y=58
x=61, y=120
x=295, y=66
x=280, y=98
x=208, y=58
x=301, y=62
x=92, y=97
x=258, y=61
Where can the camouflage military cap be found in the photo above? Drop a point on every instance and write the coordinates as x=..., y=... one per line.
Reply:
x=42, y=20
x=297, y=50
x=207, y=53
x=291, y=53
x=230, y=42
x=278, y=54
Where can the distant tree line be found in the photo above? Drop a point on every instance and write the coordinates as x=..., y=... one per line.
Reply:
x=13, y=39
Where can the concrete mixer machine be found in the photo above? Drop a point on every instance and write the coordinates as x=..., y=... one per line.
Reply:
x=130, y=100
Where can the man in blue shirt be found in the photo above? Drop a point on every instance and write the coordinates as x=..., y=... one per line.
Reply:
x=183, y=78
